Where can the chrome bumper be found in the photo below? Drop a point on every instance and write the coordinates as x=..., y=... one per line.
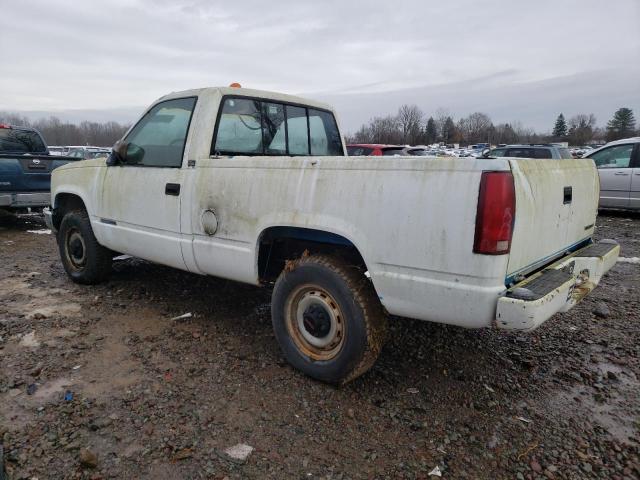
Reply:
x=557, y=288
x=24, y=200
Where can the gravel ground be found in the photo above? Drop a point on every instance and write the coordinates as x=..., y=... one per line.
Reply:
x=100, y=382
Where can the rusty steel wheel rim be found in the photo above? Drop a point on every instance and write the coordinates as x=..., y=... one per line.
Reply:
x=75, y=249
x=315, y=322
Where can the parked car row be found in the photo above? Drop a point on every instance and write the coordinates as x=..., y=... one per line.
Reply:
x=618, y=162
x=376, y=150
x=82, y=152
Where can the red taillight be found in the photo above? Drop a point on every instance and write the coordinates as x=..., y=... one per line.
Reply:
x=496, y=214
x=4, y=125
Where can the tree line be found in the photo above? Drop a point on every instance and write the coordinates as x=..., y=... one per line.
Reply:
x=57, y=132
x=412, y=127
x=409, y=126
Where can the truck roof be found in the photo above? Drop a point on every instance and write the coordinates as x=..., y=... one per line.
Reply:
x=623, y=141
x=247, y=92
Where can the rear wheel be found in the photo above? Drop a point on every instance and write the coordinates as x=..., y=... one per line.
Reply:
x=83, y=258
x=327, y=318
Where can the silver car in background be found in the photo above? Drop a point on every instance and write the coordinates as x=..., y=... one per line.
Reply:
x=618, y=165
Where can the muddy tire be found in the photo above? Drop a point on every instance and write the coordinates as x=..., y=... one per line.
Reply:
x=327, y=318
x=83, y=258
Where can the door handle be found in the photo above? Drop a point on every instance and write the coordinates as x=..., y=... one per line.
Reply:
x=172, y=189
x=621, y=173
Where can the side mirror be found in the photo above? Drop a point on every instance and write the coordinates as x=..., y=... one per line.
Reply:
x=486, y=152
x=124, y=152
x=118, y=154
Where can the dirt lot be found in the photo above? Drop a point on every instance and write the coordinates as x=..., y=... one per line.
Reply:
x=100, y=382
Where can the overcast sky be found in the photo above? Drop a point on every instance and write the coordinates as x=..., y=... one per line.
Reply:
x=513, y=59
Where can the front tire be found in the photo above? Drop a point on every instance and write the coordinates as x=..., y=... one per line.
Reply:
x=84, y=259
x=327, y=319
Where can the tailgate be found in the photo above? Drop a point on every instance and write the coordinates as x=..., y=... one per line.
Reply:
x=556, y=208
x=28, y=173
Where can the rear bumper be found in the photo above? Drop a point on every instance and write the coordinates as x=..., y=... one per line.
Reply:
x=556, y=288
x=23, y=200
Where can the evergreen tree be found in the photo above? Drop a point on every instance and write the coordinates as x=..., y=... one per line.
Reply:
x=560, y=128
x=430, y=131
x=449, y=132
x=622, y=125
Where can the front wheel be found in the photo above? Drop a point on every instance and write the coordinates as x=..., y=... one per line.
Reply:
x=83, y=258
x=327, y=319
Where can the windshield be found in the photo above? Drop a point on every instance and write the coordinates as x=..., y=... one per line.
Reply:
x=391, y=152
x=14, y=140
x=419, y=152
x=354, y=151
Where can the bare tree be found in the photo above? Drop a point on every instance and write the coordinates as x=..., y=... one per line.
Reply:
x=385, y=130
x=476, y=127
x=581, y=128
x=505, y=133
x=410, y=119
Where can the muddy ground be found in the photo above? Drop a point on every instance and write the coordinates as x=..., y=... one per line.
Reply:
x=100, y=382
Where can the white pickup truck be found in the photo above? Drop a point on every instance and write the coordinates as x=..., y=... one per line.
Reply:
x=255, y=186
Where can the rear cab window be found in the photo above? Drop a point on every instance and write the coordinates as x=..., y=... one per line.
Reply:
x=520, y=153
x=17, y=140
x=251, y=126
x=542, y=153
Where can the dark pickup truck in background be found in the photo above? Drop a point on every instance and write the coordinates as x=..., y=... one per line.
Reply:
x=25, y=168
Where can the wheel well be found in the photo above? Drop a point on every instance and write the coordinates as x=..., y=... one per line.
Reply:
x=279, y=244
x=64, y=203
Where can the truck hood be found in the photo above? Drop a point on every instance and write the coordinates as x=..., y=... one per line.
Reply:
x=93, y=162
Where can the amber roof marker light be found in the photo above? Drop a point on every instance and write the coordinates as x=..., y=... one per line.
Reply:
x=235, y=85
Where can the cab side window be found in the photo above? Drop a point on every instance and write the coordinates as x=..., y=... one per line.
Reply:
x=240, y=128
x=274, y=131
x=260, y=127
x=325, y=138
x=618, y=156
x=298, y=130
x=158, y=139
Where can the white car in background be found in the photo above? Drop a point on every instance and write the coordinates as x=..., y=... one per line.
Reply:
x=58, y=151
x=618, y=165
x=88, y=152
